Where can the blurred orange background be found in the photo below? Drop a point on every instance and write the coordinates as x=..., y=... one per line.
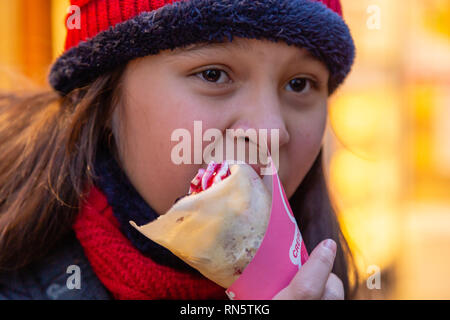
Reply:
x=387, y=143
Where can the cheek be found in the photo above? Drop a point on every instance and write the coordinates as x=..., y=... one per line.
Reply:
x=146, y=151
x=305, y=144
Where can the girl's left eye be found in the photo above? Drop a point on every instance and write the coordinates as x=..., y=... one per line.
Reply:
x=301, y=85
x=213, y=76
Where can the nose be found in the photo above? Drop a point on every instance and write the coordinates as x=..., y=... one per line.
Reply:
x=263, y=112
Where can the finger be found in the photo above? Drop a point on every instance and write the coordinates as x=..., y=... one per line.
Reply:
x=334, y=288
x=313, y=275
x=310, y=280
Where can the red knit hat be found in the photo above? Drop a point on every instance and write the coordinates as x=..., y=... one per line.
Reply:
x=112, y=32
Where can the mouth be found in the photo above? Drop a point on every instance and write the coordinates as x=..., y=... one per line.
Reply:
x=258, y=168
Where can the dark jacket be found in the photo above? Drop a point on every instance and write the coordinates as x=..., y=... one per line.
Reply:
x=52, y=277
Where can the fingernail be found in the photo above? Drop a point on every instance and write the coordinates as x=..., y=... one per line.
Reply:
x=330, y=244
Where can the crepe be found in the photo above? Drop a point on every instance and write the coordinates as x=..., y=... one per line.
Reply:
x=217, y=231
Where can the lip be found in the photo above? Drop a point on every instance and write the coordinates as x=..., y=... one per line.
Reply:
x=256, y=167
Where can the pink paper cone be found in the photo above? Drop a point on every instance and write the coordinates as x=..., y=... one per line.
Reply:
x=281, y=254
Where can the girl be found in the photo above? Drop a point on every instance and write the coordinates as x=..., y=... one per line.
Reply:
x=81, y=160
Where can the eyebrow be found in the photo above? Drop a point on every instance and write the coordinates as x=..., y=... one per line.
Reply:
x=196, y=47
x=308, y=56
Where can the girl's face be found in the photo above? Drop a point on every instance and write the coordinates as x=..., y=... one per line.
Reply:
x=246, y=83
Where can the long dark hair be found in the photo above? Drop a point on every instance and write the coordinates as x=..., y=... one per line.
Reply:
x=317, y=221
x=48, y=145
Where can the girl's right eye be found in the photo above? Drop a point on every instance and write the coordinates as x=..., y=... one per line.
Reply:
x=213, y=76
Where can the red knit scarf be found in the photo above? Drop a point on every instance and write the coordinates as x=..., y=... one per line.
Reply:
x=122, y=269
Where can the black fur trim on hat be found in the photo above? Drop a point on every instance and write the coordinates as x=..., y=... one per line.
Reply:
x=307, y=24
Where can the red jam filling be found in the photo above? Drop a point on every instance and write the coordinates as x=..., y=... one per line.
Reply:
x=204, y=179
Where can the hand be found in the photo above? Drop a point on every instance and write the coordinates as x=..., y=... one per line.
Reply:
x=314, y=280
